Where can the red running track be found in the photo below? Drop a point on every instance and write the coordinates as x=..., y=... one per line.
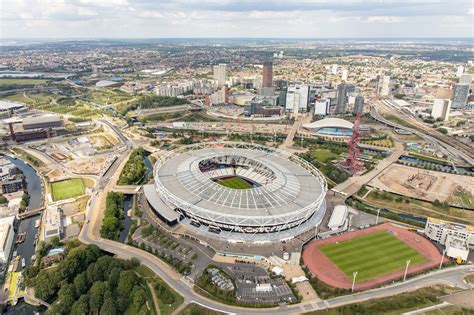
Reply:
x=322, y=268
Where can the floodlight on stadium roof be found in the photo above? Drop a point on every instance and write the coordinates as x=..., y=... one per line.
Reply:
x=287, y=190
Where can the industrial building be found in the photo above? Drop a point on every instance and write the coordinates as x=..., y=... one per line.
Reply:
x=338, y=219
x=43, y=121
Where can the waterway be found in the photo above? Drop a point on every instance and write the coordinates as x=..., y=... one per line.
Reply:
x=127, y=221
x=27, y=248
x=34, y=186
x=149, y=166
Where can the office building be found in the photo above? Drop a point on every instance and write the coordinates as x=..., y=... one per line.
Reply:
x=297, y=98
x=267, y=74
x=220, y=74
x=384, y=89
x=359, y=104
x=321, y=107
x=7, y=234
x=460, y=95
x=441, y=109
x=342, y=97
x=13, y=185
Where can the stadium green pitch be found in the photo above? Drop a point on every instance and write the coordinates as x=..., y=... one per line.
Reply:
x=235, y=183
x=371, y=255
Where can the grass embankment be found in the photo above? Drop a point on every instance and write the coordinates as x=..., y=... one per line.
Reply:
x=8, y=81
x=418, y=207
x=397, y=304
x=68, y=188
x=371, y=255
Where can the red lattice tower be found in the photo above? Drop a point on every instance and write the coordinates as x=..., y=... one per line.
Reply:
x=352, y=161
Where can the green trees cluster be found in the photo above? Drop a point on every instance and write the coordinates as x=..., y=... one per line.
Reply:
x=135, y=169
x=155, y=101
x=113, y=216
x=88, y=281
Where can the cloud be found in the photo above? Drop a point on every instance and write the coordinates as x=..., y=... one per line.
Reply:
x=235, y=18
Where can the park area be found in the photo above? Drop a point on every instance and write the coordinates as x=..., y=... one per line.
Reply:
x=66, y=189
x=234, y=183
x=378, y=254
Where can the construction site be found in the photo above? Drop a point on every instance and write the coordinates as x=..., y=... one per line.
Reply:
x=423, y=184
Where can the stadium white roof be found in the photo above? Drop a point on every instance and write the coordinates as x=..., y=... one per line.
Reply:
x=329, y=122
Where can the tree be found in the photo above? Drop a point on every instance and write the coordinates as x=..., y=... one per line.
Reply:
x=108, y=307
x=96, y=294
x=139, y=297
x=81, y=306
x=80, y=283
x=55, y=242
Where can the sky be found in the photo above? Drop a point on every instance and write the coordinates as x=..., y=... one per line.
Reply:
x=235, y=18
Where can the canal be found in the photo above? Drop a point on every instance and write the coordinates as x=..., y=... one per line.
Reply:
x=127, y=221
x=27, y=248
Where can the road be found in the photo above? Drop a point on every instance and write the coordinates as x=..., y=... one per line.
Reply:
x=89, y=235
x=429, y=138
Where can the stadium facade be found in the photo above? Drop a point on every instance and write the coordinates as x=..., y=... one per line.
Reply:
x=284, y=195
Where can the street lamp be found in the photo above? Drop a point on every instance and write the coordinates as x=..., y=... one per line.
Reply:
x=442, y=256
x=406, y=269
x=377, y=219
x=354, y=275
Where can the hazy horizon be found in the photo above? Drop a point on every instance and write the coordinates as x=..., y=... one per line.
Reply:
x=302, y=19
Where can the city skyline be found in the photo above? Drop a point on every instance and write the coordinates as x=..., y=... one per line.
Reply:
x=235, y=19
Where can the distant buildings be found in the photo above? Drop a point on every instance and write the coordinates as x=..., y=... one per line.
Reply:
x=109, y=84
x=344, y=75
x=334, y=69
x=220, y=74
x=384, y=88
x=7, y=234
x=460, y=71
x=441, y=109
x=297, y=98
x=175, y=88
x=460, y=95
x=359, y=104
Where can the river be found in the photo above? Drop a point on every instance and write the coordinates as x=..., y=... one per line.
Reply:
x=127, y=221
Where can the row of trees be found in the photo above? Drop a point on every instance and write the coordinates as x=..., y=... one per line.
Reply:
x=88, y=281
x=134, y=171
x=155, y=101
x=113, y=216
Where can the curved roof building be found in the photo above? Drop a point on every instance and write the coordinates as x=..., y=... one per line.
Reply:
x=240, y=189
x=331, y=126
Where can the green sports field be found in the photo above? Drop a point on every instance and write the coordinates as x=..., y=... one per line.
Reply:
x=67, y=189
x=371, y=255
x=235, y=183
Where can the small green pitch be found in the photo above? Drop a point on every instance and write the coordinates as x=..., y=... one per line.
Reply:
x=67, y=189
x=235, y=183
x=371, y=255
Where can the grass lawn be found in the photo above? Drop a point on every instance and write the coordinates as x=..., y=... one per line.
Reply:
x=192, y=309
x=371, y=255
x=324, y=155
x=67, y=189
x=12, y=287
x=22, y=81
x=235, y=183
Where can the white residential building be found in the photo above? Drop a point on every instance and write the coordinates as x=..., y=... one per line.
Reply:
x=385, y=86
x=7, y=234
x=344, y=75
x=460, y=71
x=438, y=231
x=321, y=107
x=52, y=223
x=220, y=74
x=334, y=69
x=441, y=109
x=297, y=98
